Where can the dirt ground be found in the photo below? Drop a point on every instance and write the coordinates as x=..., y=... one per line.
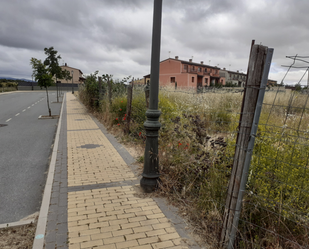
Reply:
x=17, y=237
x=20, y=237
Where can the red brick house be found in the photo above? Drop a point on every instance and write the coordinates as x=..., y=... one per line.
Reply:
x=188, y=74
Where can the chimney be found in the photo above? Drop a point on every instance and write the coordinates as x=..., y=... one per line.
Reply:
x=224, y=68
x=65, y=64
x=190, y=60
x=176, y=57
x=237, y=71
x=202, y=62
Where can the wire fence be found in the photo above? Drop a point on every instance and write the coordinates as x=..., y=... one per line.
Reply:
x=276, y=203
x=276, y=199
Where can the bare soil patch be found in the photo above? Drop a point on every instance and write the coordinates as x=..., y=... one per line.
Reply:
x=17, y=237
x=48, y=117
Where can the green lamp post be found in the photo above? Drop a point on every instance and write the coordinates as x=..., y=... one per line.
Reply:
x=152, y=125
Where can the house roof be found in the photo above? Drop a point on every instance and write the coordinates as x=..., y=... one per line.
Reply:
x=233, y=72
x=240, y=73
x=72, y=68
x=190, y=63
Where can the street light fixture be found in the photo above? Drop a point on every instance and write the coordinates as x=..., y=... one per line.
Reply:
x=152, y=125
x=72, y=82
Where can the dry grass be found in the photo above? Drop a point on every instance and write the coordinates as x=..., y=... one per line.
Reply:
x=196, y=147
x=18, y=237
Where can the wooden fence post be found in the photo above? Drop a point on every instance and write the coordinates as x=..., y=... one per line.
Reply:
x=100, y=88
x=129, y=105
x=257, y=61
x=109, y=90
x=146, y=89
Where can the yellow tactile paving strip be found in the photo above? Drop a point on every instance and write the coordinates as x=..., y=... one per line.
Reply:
x=101, y=164
x=113, y=217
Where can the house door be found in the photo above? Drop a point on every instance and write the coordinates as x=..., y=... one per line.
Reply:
x=199, y=81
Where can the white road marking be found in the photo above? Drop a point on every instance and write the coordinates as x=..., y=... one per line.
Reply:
x=17, y=114
x=8, y=120
x=32, y=105
x=24, y=110
x=29, y=107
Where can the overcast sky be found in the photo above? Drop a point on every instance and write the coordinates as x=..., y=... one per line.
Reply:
x=114, y=36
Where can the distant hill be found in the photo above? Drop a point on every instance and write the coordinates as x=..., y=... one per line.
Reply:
x=16, y=79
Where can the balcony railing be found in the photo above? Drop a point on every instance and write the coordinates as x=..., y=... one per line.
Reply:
x=200, y=72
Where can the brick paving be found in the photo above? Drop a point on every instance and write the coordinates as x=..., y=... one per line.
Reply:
x=94, y=202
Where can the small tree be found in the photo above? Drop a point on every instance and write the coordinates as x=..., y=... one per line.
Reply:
x=53, y=66
x=42, y=76
x=298, y=87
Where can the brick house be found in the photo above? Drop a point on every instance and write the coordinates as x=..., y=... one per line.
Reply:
x=236, y=78
x=239, y=79
x=77, y=75
x=187, y=74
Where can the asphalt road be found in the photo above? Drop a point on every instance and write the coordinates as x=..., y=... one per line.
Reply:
x=25, y=148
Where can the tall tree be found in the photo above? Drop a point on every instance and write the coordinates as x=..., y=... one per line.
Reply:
x=53, y=65
x=42, y=76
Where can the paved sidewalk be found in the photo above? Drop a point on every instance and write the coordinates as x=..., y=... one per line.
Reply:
x=94, y=201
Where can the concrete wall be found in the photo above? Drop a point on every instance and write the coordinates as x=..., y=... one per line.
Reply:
x=62, y=87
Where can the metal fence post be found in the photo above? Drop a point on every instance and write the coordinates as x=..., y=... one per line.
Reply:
x=129, y=106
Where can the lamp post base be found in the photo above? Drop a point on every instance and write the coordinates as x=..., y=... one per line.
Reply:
x=149, y=184
x=151, y=175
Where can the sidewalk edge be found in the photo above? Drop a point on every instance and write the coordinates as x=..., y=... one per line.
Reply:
x=39, y=238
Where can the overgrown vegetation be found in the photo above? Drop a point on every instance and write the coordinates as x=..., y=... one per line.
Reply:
x=196, y=145
x=8, y=86
x=90, y=92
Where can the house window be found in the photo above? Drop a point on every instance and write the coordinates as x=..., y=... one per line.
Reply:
x=193, y=68
x=206, y=80
x=173, y=79
x=199, y=69
x=205, y=70
x=185, y=67
x=192, y=79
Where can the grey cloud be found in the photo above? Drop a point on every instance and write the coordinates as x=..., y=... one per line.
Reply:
x=115, y=36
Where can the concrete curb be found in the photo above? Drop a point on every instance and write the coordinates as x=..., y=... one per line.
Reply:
x=17, y=223
x=39, y=239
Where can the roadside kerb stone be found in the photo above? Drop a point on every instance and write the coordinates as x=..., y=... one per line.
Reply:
x=39, y=239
